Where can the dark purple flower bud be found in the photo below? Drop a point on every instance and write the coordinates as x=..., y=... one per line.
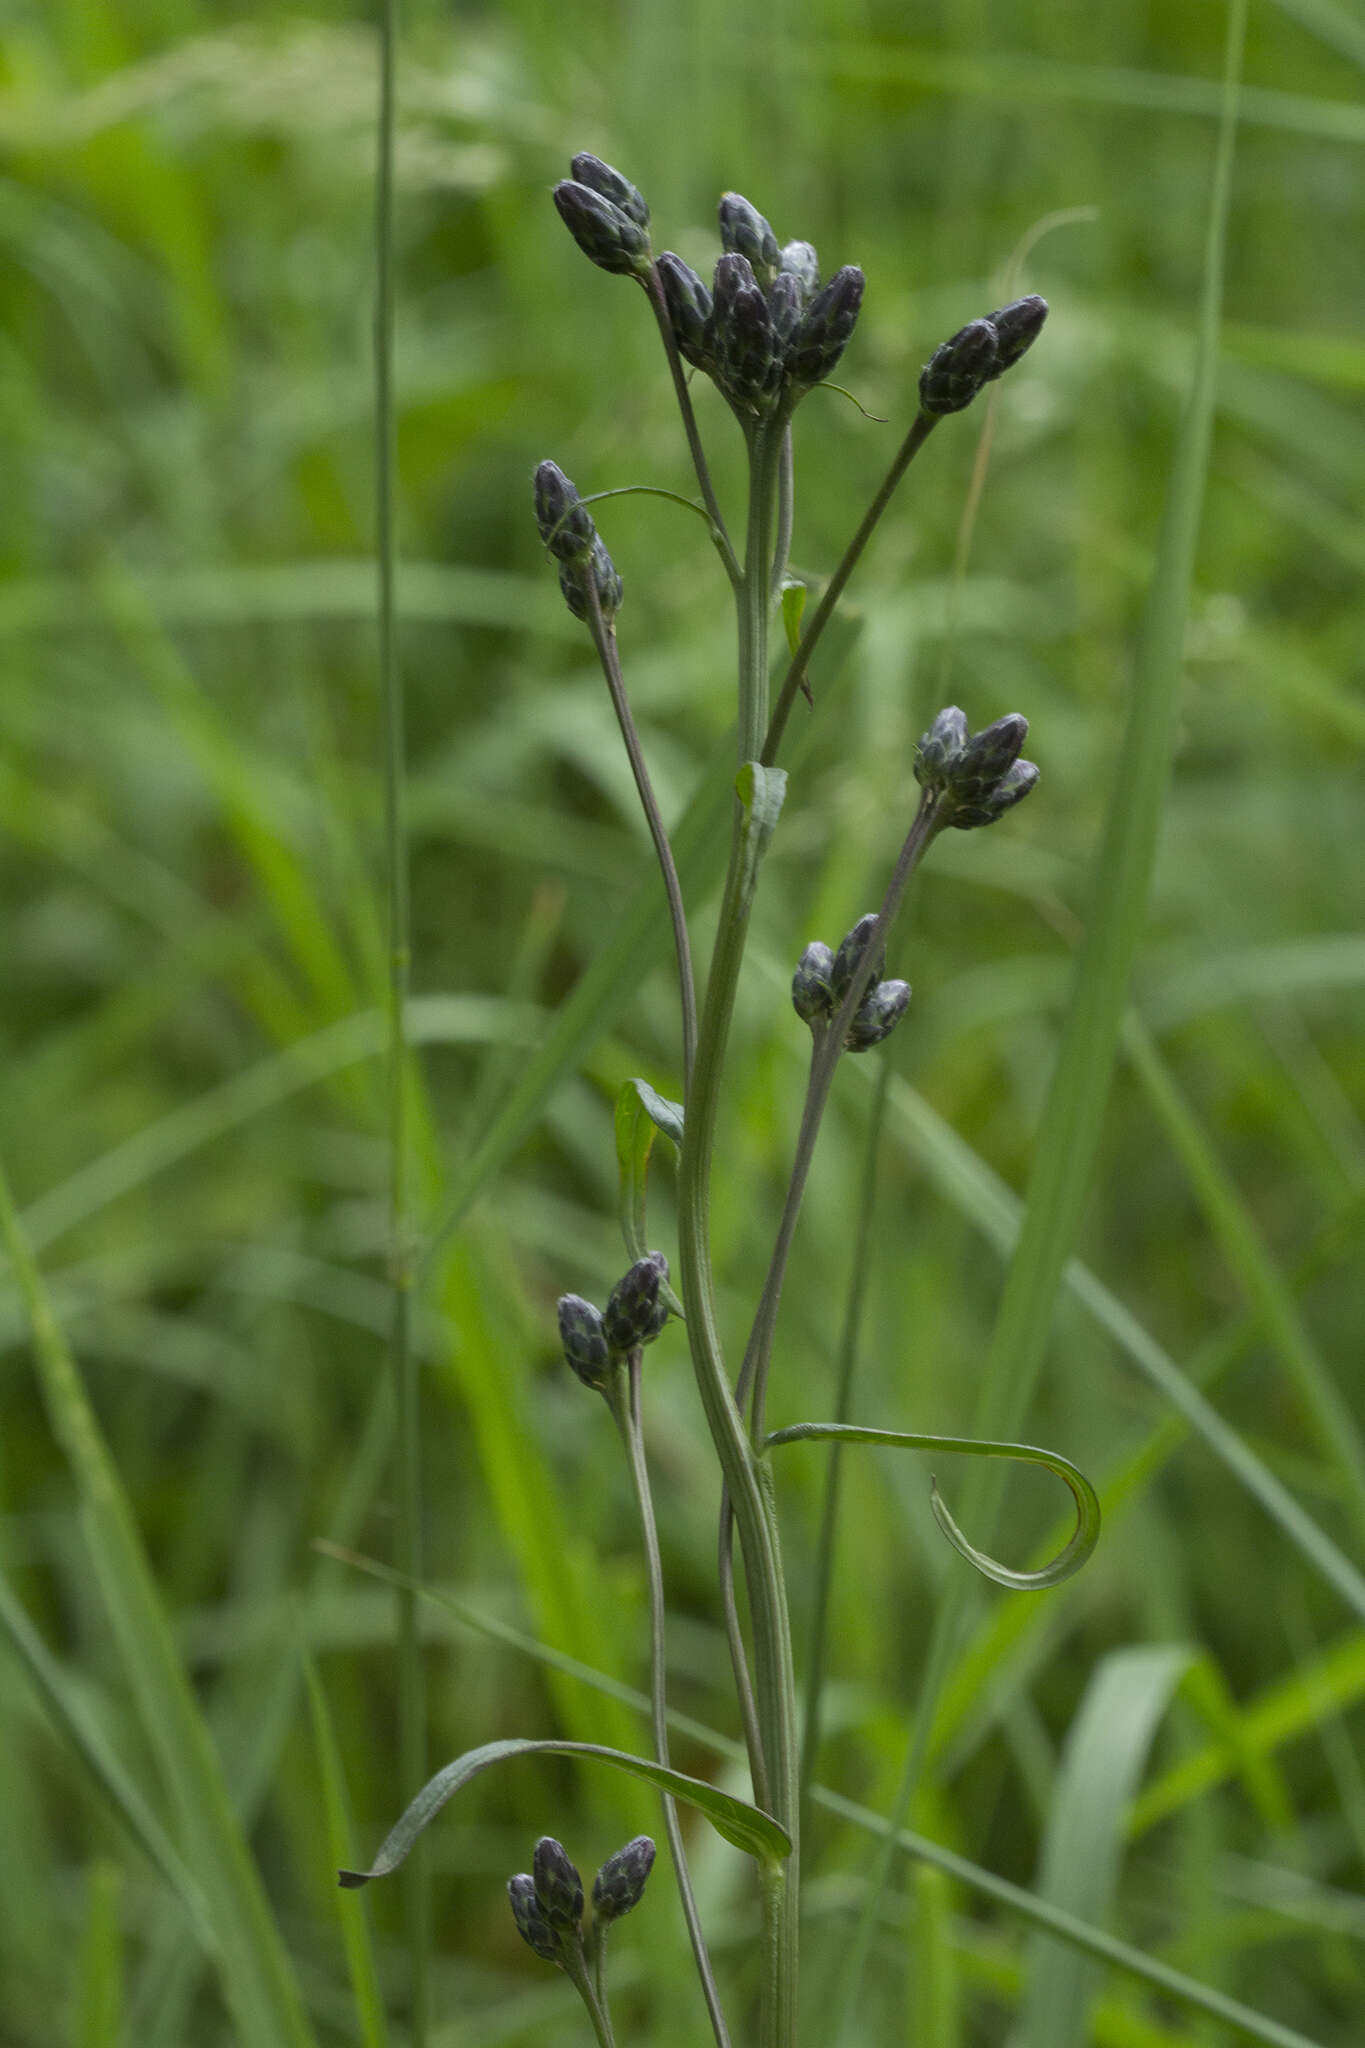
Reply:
x=784, y=310
x=813, y=984
x=559, y=1888
x=565, y=522
x=744, y=232
x=689, y=309
x=800, y=261
x=941, y=748
x=850, y=963
x=619, y=1885
x=534, y=1929
x=603, y=231
x=1013, y=786
x=634, y=1314
x=825, y=331
x=584, y=1337
x=1017, y=326
x=877, y=1016
x=609, y=184
x=958, y=368
x=747, y=364
x=975, y=778
x=599, y=571
x=995, y=748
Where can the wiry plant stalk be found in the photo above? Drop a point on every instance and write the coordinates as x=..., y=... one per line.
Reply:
x=412, y=1762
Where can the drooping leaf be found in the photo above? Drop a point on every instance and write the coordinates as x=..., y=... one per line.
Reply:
x=1061, y=1567
x=745, y=1826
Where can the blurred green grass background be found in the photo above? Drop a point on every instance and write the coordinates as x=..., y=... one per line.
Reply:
x=193, y=1113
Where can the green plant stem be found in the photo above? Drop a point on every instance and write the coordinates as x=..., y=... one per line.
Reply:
x=786, y=507
x=749, y=1490
x=576, y=1970
x=826, y=1049
x=402, y=1356
x=604, y=639
x=623, y=1398
x=800, y=661
x=739, y=1655
x=654, y=292
x=843, y=1408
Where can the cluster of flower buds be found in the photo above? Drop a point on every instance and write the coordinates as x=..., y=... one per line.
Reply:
x=567, y=529
x=547, y=1900
x=978, y=353
x=765, y=331
x=822, y=980
x=976, y=777
x=607, y=217
x=596, y=1341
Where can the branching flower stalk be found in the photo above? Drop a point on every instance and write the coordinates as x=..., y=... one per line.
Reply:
x=766, y=332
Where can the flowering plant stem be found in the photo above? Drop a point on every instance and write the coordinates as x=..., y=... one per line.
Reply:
x=604, y=639
x=623, y=1398
x=777, y=1764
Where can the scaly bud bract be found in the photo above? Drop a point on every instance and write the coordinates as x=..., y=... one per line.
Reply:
x=849, y=962
x=784, y=310
x=877, y=1016
x=597, y=565
x=565, y=522
x=603, y=231
x=958, y=368
x=583, y=1335
x=747, y=363
x=689, y=309
x=828, y=324
x=800, y=261
x=813, y=984
x=559, y=1888
x=634, y=1314
x=619, y=1885
x=609, y=184
x=941, y=748
x=1013, y=786
x=534, y=1929
x=744, y=232
x=995, y=748
x=1017, y=326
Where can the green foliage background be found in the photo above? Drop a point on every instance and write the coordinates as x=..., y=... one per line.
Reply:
x=189, y=865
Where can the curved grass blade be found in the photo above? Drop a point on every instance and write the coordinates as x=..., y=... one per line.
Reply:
x=1069, y=1560
x=756, y=1833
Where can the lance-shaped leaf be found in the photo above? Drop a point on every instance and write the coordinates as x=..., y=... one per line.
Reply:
x=761, y=791
x=1066, y=1562
x=640, y=1112
x=745, y=1826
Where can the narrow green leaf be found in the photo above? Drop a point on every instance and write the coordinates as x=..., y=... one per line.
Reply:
x=640, y=1112
x=756, y=1833
x=793, y=606
x=1069, y=1560
x=761, y=791
x=1083, y=1842
x=99, y=1979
